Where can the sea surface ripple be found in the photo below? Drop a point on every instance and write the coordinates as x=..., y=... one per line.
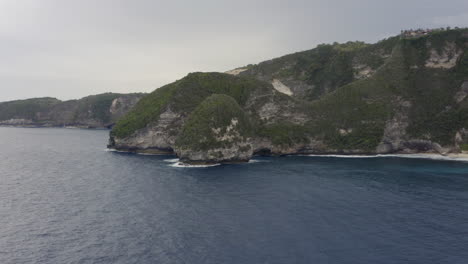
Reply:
x=63, y=199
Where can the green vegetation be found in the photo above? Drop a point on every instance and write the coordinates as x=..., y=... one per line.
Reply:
x=464, y=147
x=284, y=133
x=96, y=107
x=327, y=67
x=360, y=108
x=52, y=111
x=435, y=115
x=364, y=106
x=184, y=96
x=26, y=109
x=147, y=110
x=217, y=122
x=343, y=110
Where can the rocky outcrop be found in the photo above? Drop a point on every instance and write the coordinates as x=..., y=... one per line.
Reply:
x=362, y=71
x=445, y=59
x=217, y=131
x=461, y=95
x=280, y=87
x=461, y=140
x=237, y=71
x=121, y=105
x=157, y=138
x=395, y=135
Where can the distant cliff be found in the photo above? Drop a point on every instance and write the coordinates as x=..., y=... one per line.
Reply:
x=96, y=111
x=400, y=95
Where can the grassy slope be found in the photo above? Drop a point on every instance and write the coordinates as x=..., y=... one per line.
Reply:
x=90, y=107
x=214, y=112
x=435, y=114
x=26, y=109
x=326, y=67
x=361, y=107
x=184, y=96
x=96, y=107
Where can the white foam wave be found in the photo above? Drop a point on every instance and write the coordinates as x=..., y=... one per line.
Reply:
x=171, y=160
x=184, y=165
x=407, y=156
x=257, y=161
x=343, y=156
x=114, y=150
x=149, y=154
x=176, y=163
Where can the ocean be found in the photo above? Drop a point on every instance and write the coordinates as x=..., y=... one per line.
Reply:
x=64, y=198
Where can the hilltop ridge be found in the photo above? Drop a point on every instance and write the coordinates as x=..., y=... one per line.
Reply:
x=95, y=111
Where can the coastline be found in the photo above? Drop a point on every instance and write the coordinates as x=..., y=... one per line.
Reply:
x=460, y=157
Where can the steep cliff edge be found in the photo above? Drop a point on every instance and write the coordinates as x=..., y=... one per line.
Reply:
x=96, y=111
x=156, y=121
x=400, y=95
x=218, y=130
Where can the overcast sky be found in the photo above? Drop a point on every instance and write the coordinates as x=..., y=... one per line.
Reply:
x=72, y=48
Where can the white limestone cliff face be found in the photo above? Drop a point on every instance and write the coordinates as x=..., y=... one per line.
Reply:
x=280, y=87
x=156, y=137
x=362, y=71
x=238, y=151
x=463, y=93
x=236, y=71
x=231, y=146
x=446, y=59
x=122, y=105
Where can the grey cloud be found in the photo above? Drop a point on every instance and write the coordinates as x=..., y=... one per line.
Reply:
x=69, y=49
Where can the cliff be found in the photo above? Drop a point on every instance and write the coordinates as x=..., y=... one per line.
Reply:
x=218, y=130
x=400, y=95
x=96, y=111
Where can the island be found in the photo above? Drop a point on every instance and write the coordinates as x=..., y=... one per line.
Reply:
x=403, y=94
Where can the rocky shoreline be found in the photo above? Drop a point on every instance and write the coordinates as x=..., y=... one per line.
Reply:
x=462, y=155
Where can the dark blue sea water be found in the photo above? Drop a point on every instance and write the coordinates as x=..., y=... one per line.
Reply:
x=64, y=199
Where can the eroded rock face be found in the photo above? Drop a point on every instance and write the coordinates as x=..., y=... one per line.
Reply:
x=155, y=138
x=420, y=145
x=396, y=139
x=280, y=87
x=362, y=71
x=236, y=71
x=461, y=138
x=461, y=95
x=238, y=152
x=122, y=105
x=217, y=131
x=395, y=129
x=446, y=59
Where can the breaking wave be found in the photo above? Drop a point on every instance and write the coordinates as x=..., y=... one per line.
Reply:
x=176, y=163
x=407, y=156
